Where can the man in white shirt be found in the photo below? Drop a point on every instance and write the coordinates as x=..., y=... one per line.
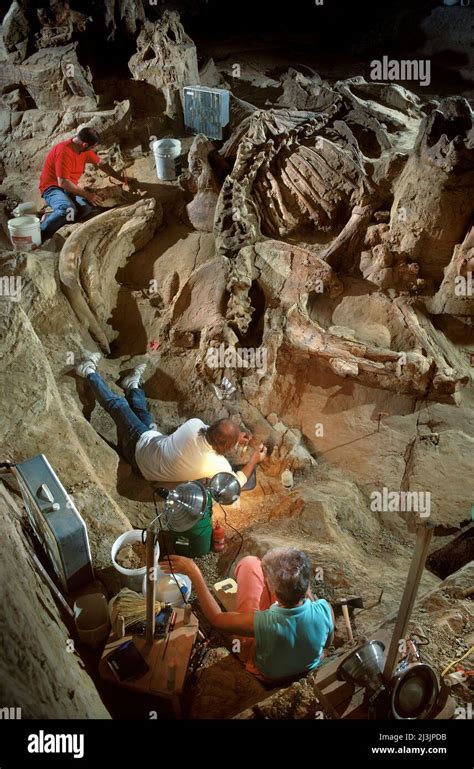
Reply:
x=194, y=451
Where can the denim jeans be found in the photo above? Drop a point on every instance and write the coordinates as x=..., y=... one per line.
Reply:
x=130, y=414
x=66, y=208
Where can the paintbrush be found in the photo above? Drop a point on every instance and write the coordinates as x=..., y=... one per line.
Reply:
x=170, y=630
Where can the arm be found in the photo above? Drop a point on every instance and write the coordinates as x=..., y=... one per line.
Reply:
x=330, y=638
x=240, y=623
x=220, y=464
x=120, y=175
x=62, y=170
x=74, y=189
x=257, y=457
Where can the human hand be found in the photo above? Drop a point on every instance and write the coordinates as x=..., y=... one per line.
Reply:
x=260, y=453
x=179, y=564
x=95, y=198
x=244, y=439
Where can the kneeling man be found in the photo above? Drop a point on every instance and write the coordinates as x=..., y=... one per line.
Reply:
x=59, y=181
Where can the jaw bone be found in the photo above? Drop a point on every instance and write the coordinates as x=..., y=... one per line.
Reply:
x=422, y=371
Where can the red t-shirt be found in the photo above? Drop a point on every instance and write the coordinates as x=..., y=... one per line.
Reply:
x=62, y=161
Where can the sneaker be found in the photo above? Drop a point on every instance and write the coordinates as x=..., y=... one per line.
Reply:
x=134, y=378
x=88, y=363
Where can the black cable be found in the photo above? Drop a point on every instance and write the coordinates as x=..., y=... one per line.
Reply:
x=212, y=630
x=236, y=531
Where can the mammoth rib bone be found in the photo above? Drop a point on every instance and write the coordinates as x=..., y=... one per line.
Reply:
x=88, y=280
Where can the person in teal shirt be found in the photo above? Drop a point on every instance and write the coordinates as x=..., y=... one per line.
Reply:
x=281, y=630
x=291, y=640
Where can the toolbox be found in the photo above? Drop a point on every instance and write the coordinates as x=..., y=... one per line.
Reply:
x=56, y=522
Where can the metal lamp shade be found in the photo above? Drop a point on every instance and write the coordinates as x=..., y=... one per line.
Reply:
x=224, y=488
x=185, y=505
x=414, y=693
x=364, y=666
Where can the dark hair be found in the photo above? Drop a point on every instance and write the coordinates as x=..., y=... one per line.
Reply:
x=288, y=572
x=89, y=136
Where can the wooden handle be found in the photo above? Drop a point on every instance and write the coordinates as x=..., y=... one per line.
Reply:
x=347, y=620
x=119, y=626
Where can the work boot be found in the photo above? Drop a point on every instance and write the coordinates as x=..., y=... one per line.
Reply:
x=88, y=363
x=133, y=379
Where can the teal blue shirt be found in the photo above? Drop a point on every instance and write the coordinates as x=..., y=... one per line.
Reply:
x=291, y=641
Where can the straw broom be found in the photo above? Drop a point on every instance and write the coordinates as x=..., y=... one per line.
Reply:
x=131, y=607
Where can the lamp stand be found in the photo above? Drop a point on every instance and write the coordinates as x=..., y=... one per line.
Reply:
x=423, y=538
x=150, y=585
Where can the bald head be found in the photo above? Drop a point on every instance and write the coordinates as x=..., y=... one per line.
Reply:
x=223, y=435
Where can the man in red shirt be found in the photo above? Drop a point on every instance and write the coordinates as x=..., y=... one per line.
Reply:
x=62, y=170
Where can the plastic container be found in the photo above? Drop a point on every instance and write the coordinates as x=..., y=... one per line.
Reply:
x=195, y=541
x=25, y=209
x=25, y=232
x=132, y=578
x=166, y=589
x=167, y=160
x=218, y=538
x=92, y=618
x=158, y=575
x=287, y=479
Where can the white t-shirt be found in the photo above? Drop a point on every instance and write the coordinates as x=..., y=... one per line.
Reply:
x=182, y=456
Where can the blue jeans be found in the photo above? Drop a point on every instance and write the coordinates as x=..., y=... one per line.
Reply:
x=67, y=208
x=130, y=414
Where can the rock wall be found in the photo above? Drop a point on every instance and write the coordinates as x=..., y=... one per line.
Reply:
x=37, y=672
x=325, y=238
x=43, y=418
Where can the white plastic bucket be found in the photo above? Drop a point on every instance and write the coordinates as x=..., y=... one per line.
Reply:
x=167, y=590
x=132, y=578
x=25, y=232
x=92, y=618
x=167, y=161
